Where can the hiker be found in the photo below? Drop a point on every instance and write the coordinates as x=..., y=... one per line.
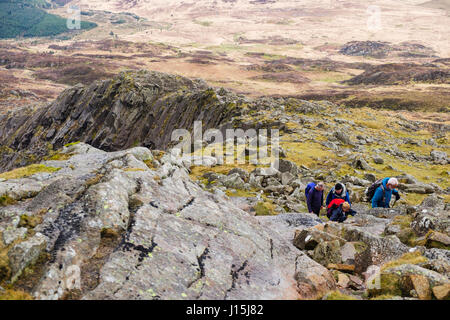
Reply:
x=383, y=193
x=314, y=197
x=338, y=210
x=339, y=191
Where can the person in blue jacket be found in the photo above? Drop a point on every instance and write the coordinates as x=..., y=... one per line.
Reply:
x=383, y=193
x=339, y=191
x=340, y=213
x=314, y=197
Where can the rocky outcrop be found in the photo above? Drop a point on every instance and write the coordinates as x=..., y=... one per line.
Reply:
x=396, y=73
x=112, y=228
x=134, y=108
x=380, y=49
x=93, y=222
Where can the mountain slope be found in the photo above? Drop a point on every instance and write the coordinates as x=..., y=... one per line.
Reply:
x=134, y=108
x=26, y=18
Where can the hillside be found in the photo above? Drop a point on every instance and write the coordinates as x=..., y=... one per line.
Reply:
x=26, y=18
x=164, y=151
x=136, y=223
x=310, y=50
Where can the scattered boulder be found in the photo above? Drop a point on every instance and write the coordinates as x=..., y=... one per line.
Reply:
x=256, y=181
x=349, y=252
x=361, y=164
x=309, y=239
x=341, y=267
x=371, y=249
x=436, y=239
x=433, y=201
x=419, y=284
x=343, y=137
x=265, y=172
x=408, y=280
x=343, y=280
x=420, y=188
x=442, y=292
x=288, y=166
x=378, y=160
x=439, y=157
x=25, y=253
x=11, y=235
x=233, y=181
x=287, y=178
x=313, y=282
x=370, y=177
x=244, y=175
x=327, y=252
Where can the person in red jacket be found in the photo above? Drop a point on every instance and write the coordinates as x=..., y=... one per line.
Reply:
x=338, y=210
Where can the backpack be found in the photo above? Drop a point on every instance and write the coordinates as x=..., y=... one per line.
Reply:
x=370, y=191
x=310, y=186
x=333, y=205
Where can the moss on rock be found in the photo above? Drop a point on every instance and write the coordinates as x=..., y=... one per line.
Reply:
x=27, y=171
x=337, y=295
x=264, y=208
x=6, y=200
x=11, y=294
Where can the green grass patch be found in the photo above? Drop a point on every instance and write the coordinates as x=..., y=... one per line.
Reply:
x=240, y=193
x=10, y=294
x=6, y=200
x=265, y=208
x=203, y=23
x=337, y=295
x=407, y=258
x=383, y=297
x=59, y=157
x=72, y=144
x=27, y=171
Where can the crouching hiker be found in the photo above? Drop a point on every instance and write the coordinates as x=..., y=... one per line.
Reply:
x=339, y=191
x=381, y=192
x=314, y=197
x=338, y=210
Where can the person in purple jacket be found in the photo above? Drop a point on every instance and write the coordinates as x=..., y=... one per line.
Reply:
x=314, y=197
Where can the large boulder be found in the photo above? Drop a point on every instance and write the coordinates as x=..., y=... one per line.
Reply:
x=442, y=292
x=374, y=250
x=233, y=181
x=343, y=137
x=25, y=253
x=288, y=166
x=113, y=228
x=408, y=280
x=135, y=107
x=328, y=252
x=439, y=157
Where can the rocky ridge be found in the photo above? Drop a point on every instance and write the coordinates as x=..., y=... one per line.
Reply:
x=113, y=221
x=134, y=108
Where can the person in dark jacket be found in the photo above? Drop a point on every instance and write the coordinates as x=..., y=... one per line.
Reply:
x=383, y=194
x=339, y=191
x=340, y=213
x=314, y=198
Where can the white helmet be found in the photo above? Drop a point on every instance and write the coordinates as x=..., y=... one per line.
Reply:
x=393, y=182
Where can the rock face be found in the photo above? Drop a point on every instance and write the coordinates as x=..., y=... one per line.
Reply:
x=93, y=222
x=115, y=229
x=135, y=108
